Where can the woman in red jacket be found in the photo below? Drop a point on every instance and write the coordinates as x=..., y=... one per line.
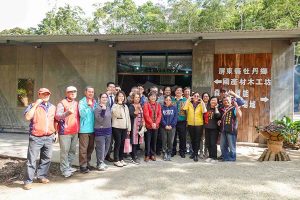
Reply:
x=152, y=116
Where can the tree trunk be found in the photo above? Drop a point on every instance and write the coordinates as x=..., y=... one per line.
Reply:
x=274, y=152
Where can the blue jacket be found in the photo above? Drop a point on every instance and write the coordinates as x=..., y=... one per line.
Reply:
x=86, y=113
x=169, y=116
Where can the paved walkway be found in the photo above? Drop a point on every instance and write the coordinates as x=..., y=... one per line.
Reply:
x=179, y=179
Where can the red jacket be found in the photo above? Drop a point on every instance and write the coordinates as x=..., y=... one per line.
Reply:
x=148, y=109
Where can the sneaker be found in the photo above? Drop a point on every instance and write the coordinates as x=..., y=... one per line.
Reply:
x=118, y=164
x=105, y=165
x=72, y=169
x=101, y=167
x=213, y=161
x=165, y=157
x=182, y=155
x=201, y=156
x=67, y=174
x=84, y=170
x=43, y=180
x=123, y=163
x=27, y=186
x=169, y=157
x=136, y=161
x=208, y=160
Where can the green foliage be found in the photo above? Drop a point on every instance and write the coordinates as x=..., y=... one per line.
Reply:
x=64, y=20
x=124, y=16
x=290, y=130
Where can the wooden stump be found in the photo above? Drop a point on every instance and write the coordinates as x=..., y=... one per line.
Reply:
x=274, y=152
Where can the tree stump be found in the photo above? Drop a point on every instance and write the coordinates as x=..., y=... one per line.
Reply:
x=275, y=152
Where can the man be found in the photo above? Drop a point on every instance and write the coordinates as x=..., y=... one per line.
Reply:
x=141, y=91
x=118, y=88
x=41, y=137
x=187, y=92
x=181, y=131
x=187, y=95
x=86, y=107
x=154, y=89
x=111, y=92
x=68, y=127
x=134, y=90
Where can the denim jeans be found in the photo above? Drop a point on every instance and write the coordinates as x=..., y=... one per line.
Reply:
x=228, y=146
x=167, y=140
x=67, y=145
x=102, y=147
x=43, y=146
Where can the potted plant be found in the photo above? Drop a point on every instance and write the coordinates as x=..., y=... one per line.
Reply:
x=22, y=96
x=279, y=131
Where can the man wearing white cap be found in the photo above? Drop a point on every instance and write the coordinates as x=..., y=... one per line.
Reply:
x=68, y=127
x=42, y=135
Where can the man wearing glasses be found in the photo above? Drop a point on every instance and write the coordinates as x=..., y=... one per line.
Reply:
x=68, y=127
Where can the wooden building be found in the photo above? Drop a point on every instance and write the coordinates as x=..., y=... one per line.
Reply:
x=256, y=64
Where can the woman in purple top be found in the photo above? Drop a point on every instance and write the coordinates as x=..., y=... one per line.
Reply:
x=103, y=130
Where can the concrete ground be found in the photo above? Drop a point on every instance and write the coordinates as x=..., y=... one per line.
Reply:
x=179, y=179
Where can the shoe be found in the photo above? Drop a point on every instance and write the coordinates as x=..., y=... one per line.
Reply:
x=165, y=157
x=67, y=174
x=208, y=160
x=191, y=156
x=153, y=158
x=72, y=169
x=146, y=159
x=118, y=164
x=101, y=167
x=213, y=161
x=182, y=155
x=136, y=161
x=89, y=167
x=173, y=153
x=27, y=186
x=109, y=159
x=84, y=170
x=169, y=157
x=201, y=156
x=123, y=163
x=105, y=165
x=220, y=157
x=196, y=159
x=158, y=153
x=43, y=180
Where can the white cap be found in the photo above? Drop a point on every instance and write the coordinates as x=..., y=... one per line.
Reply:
x=71, y=88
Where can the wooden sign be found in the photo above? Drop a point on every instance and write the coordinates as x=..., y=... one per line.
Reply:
x=249, y=76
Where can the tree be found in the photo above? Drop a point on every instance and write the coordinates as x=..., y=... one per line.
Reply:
x=64, y=20
x=17, y=31
x=152, y=18
x=184, y=16
x=119, y=16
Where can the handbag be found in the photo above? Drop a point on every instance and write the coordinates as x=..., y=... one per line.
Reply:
x=127, y=145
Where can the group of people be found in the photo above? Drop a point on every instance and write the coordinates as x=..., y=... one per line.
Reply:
x=106, y=122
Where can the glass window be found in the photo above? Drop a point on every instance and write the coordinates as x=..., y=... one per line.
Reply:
x=25, y=92
x=156, y=62
x=297, y=79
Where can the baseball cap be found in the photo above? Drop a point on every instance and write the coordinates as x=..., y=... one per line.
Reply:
x=44, y=90
x=71, y=88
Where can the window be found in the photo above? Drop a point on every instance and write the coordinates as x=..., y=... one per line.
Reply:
x=155, y=62
x=297, y=79
x=25, y=92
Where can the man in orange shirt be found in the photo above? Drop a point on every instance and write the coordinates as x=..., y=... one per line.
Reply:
x=42, y=135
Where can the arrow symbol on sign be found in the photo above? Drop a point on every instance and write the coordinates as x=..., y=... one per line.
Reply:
x=218, y=81
x=264, y=99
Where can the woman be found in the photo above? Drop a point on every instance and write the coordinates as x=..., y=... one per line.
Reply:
x=195, y=109
x=168, y=126
x=229, y=125
x=137, y=122
x=211, y=118
x=121, y=126
x=152, y=116
x=206, y=97
x=103, y=130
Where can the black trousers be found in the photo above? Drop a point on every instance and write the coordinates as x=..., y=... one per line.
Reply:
x=150, y=142
x=211, y=136
x=196, y=133
x=119, y=136
x=134, y=151
x=159, y=141
x=181, y=134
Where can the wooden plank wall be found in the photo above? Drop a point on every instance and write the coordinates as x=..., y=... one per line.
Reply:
x=253, y=67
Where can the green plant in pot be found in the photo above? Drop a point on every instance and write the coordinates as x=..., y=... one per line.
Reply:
x=289, y=130
x=22, y=96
